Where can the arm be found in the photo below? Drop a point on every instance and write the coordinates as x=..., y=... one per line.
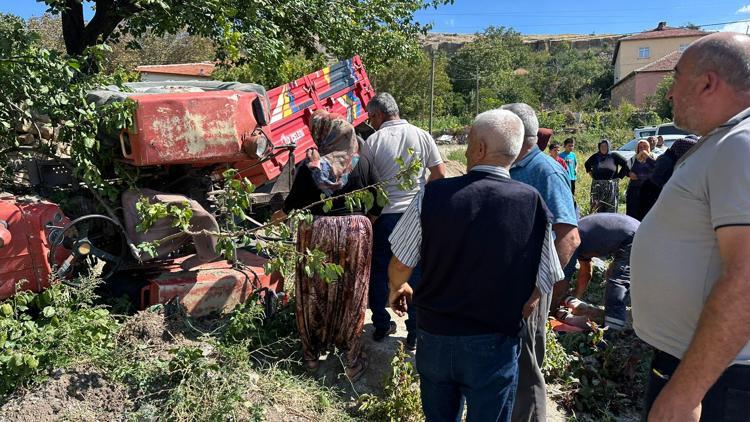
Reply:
x=624, y=166
x=589, y=164
x=584, y=277
x=567, y=240
x=406, y=241
x=722, y=332
x=436, y=172
x=399, y=290
x=433, y=160
x=373, y=177
x=632, y=176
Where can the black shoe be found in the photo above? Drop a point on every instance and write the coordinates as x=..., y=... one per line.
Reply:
x=411, y=342
x=379, y=334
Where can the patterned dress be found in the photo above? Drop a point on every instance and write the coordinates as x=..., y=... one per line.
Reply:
x=333, y=314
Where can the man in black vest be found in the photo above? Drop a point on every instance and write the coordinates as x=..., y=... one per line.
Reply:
x=480, y=238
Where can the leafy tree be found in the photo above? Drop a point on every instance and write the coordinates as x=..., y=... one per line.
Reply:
x=291, y=67
x=130, y=52
x=658, y=102
x=566, y=75
x=409, y=83
x=259, y=30
x=499, y=58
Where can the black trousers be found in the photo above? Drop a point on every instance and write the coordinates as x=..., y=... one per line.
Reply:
x=727, y=401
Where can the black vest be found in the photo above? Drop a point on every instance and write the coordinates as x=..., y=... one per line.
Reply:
x=482, y=239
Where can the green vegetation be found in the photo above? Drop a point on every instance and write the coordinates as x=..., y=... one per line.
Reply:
x=602, y=375
x=236, y=367
x=400, y=401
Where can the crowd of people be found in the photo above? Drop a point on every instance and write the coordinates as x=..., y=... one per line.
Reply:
x=478, y=261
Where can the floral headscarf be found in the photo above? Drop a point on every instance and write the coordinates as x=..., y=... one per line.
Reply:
x=337, y=151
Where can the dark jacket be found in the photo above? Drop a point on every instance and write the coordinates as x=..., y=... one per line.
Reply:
x=606, y=166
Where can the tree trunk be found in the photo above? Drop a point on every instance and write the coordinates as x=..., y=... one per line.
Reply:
x=78, y=35
x=73, y=28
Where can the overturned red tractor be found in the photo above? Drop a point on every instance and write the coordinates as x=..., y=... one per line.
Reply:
x=184, y=136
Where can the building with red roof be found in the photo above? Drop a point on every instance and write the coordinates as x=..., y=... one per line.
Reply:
x=642, y=60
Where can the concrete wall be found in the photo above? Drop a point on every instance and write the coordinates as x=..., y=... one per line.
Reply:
x=628, y=60
x=163, y=77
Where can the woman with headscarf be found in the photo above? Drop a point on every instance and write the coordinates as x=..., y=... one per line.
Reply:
x=605, y=170
x=333, y=314
x=641, y=169
x=662, y=172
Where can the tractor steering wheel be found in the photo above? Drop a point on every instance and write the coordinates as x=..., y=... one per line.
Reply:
x=92, y=242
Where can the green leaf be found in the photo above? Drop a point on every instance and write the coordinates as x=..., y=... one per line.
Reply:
x=48, y=312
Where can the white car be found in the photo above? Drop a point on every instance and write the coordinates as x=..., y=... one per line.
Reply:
x=668, y=131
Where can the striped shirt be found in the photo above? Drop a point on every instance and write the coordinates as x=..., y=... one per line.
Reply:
x=406, y=239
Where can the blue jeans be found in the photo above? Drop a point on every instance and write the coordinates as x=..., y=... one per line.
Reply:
x=482, y=369
x=381, y=256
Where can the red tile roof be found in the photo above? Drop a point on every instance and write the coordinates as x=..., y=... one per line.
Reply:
x=664, y=64
x=188, y=69
x=665, y=32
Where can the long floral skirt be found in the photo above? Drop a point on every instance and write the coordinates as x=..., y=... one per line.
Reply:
x=333, y=314
x=604, y=195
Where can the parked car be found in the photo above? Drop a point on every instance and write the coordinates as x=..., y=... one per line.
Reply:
x=668, y=131
x=643, y=132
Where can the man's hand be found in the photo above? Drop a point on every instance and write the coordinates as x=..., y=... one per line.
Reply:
x=671, y=406
x=530, y=306
x=400, y=299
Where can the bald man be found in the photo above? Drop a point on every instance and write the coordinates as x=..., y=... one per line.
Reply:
x=690, y=272
x=484, y=236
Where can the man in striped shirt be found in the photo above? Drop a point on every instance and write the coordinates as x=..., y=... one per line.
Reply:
x=485, y=243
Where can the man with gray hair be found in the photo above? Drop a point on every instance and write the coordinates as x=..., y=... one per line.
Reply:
x=394, y=138
x=481, y=239
x=690, y=273
x=543, y=173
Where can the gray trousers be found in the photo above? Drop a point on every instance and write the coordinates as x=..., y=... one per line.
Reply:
x=531, y=393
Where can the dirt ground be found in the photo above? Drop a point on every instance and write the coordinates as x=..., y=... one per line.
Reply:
x=82, y=395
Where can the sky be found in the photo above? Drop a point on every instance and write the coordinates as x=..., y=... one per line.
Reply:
x=548, y=16
x=585, y=16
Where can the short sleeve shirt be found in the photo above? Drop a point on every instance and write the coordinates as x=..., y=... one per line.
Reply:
x=543, y=173
x=570, y=160
x=392, y=140
x=675, y=259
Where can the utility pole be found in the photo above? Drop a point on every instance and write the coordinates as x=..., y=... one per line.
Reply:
x=477, y=90
x=432, y=90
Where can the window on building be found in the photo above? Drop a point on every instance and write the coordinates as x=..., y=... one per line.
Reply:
x=683, y=47
x=644, y=52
